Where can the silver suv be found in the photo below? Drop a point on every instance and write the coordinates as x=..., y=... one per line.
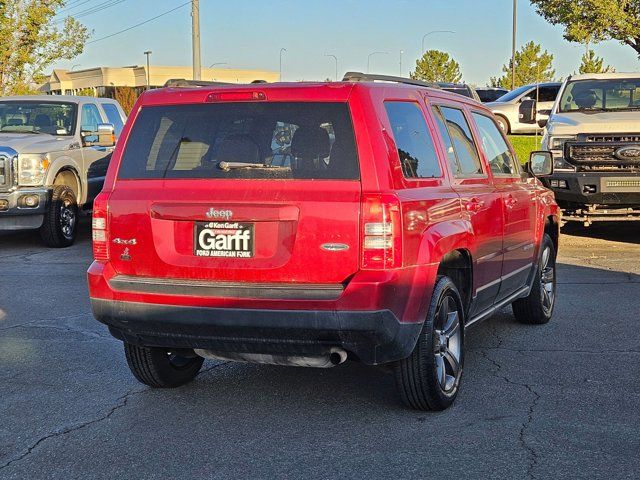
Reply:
x=54, y=152
x=506, y=108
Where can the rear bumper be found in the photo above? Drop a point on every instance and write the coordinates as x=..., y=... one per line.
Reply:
x=374, y=337
x=15, y=216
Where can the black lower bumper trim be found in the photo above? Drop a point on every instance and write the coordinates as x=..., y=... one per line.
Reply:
x=374, y=337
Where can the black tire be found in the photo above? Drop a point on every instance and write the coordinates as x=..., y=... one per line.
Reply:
x=537, y=308
x=60, y=223
x=503, y=123
x=417, y=377
x=160, y=367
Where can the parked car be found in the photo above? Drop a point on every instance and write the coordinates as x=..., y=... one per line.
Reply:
x=461, y=89
x=54, y=151
x=594, y=134
x=506, y=108
x=307, y=224
x=490, y=94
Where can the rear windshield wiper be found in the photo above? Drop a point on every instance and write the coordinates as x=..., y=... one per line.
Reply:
x=226, y=166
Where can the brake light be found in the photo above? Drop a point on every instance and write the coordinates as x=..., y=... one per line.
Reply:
x=100, y=228
x=381, y=232
x=242, y=96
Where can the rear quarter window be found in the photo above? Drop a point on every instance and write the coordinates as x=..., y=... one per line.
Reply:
x=270, y=140
x=416, y=149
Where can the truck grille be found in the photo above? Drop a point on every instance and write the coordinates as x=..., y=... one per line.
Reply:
x=621, y=138
x=595, y=152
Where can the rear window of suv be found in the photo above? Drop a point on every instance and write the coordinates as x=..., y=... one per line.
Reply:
x=270, y=140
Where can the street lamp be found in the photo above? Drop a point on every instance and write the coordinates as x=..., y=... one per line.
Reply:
x=218, y=63
x=513, y=44
x=148, y=54
x=336, y=60
x=371, y=55
x=430, y=33
x=282, y=50
x=74, y=66
x=401, y=52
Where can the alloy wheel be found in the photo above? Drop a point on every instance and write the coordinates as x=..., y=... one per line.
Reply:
x=547, y=279
x=448, y=344
x=67, y=219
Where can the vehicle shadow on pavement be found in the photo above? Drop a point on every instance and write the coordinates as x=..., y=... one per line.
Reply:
x=30, y=239
x=537, y=394
x=626, y=232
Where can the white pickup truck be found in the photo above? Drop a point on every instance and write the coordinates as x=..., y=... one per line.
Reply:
x=54, y=152
x=593, y=131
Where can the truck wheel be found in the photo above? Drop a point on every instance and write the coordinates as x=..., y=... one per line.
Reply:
x=537, y=308
x=161, y=367
x=429, y=378
x=60, y=220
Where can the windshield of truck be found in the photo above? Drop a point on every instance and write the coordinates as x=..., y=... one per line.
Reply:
x=513, y=94
x=53, y=118
x=601, y=95
x=269, y=140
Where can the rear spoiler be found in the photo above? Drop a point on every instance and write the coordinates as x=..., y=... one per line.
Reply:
x=183, y=83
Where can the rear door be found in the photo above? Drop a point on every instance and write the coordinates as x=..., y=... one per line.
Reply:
x=481, y=202
x=519, y=200
x=240, y=191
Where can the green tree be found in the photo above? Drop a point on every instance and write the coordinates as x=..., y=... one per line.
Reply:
x=437, y=66
x=33, y=40
x=532, y=66
x=591, y=63
x=595, y=20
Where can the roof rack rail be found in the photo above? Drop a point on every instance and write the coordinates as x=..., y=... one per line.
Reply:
x=181, y=82
x=370, y=77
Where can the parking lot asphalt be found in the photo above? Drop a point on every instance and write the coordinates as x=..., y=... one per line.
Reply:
x=554, y=401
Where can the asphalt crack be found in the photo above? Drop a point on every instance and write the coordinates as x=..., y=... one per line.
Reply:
x=63, y=324
x=522, y=434
x=122, y=402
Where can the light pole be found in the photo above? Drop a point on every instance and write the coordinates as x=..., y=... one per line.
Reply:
x=148, y=54
x=282, y=50
x=371, y=55
x=218, y=63
x=336, y=60
x=74, y=66
x=432, y=32
x=513, y=44
x=401, y=52
x=195, y=38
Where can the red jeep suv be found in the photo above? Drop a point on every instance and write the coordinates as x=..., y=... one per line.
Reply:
x=310, y=223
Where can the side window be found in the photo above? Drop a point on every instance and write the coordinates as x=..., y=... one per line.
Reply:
x=90, y=118
x=548, y=94
x=463, y=144
x=451, y=153
x=113, y=114
x=530, y=94
x=415, y=146
x=495, y=147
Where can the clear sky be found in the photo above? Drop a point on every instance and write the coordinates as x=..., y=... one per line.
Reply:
x=250, y=33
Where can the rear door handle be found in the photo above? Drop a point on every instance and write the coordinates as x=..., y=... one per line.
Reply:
x=474, y=205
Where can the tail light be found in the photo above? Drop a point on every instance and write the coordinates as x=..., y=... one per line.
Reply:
x=381, y=232
x=100, y=228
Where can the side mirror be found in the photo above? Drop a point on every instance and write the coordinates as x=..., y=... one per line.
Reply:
x=527, y=111
x=106, y=135
x=542, y=122
x=540, y=163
